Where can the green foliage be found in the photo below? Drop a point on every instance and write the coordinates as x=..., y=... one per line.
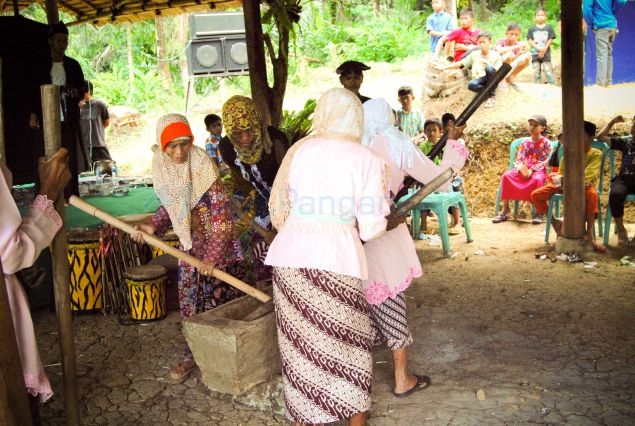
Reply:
x=297, y=124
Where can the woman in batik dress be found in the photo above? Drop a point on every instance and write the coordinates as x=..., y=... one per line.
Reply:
x=194, y=203
x=330, y=193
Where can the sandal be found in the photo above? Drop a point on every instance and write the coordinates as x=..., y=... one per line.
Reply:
x=423, y=383
x=182, y=370
x=622, y=239
x=501, y=217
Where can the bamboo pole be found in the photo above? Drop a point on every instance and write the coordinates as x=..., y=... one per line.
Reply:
x=14, y=404
x=158, y=243
x=61, y=269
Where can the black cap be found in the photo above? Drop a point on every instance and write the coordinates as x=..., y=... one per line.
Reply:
x=352, y=67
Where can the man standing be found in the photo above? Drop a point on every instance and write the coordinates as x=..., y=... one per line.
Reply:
x=57, y=68
x=600, y=17
x=352, y=76
x=93, y=120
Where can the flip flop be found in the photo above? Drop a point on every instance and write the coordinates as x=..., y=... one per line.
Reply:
x=182, y=370
x=423, y=383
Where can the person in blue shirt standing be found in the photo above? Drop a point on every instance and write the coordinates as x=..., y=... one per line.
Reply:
x=438, y=23
x=600, y=17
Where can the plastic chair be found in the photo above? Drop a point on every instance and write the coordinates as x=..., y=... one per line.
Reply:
x=556, y=199
x=439, y=202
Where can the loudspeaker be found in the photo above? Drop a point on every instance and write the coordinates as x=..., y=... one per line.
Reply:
x=206, y=57
x=218, y=55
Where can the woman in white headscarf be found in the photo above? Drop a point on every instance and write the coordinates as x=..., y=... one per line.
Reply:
x=392, y=258
x=194, y=203
x=329, y=194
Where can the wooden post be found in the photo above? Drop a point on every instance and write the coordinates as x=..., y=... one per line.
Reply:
x=14, y=404
x=59, y=249
x=52, y=13
x=3, y=151
x=573, y=118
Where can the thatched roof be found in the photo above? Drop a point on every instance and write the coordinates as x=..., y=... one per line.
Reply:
x=101, y=12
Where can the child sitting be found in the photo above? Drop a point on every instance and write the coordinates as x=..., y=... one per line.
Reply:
x=511, y=47
x=214, y=126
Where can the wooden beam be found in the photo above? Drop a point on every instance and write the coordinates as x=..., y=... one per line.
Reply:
x=52, y=13
x=14, y=403
x=61, y=268
x=3, y=151
x=573, y=117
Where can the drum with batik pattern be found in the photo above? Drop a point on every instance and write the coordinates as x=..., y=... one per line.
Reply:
x=86, y=287
x=146, y=291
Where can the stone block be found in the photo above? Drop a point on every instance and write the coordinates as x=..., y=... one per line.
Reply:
x=234, y=354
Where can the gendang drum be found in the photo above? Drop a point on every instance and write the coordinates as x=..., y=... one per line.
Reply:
x=85, y=269
x=146, y=291
x=169, y=238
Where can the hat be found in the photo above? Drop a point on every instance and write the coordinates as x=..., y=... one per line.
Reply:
x=352, y=67
x=172, y=126
x=540, y=119
x=58, y=28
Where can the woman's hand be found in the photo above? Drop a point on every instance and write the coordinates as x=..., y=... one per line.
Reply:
x=207, y=268
x=54, y=174
x=145, y=227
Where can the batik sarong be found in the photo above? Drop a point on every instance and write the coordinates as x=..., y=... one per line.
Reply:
x=390, y=323
x=325, y=340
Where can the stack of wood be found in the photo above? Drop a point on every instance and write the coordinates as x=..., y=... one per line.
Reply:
x=441, y=84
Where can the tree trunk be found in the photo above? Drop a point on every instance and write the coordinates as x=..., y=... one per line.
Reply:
x=182, y=39
x=130, y=63
x=256, y=59
x=376, y=7
x=163, y=66
x=450, y=7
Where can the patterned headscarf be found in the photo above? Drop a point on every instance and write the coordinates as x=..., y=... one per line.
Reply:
x=181, y=186
x=380, y=120
x=240, y=113
x=338, y=115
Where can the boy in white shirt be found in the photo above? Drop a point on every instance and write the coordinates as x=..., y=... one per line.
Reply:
x=483, y=65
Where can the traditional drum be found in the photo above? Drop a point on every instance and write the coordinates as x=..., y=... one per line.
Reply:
x=85, y=269
x=146, y=291
x=169, y=238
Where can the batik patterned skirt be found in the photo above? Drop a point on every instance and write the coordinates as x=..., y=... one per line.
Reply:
x=325, y=339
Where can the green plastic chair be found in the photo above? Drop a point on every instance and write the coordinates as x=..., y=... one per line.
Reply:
x=556, y=199
x=438, y=203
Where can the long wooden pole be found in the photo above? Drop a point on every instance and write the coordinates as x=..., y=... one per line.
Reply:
x=160, y=244
x=14, y=404
x=61, y=269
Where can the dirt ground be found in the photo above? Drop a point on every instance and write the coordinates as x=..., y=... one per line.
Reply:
x=507, y=336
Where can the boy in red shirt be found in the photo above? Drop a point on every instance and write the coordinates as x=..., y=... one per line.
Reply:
x=464, y=38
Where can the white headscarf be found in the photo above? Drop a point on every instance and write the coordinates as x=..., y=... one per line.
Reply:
x=379, y=119
x=338, y=115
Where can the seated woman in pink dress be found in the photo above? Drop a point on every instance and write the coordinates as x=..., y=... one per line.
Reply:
x=529, y=172
x=392, y=258
x=21, y=241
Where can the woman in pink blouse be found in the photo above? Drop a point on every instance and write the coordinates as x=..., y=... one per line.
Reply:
x=196, y=206
x=529, y=172
x=21, y=241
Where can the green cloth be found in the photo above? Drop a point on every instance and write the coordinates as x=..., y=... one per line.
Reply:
x=426, y=147
x=136, y=201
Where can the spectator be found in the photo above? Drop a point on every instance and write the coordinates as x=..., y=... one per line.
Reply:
x=464, y=38
x=600, y=16
x=93, y=120
x=483, y=66
x=410, y=120
x=352, y=76
x=438, y=24
x=518, y=51
x=528, y=173
x=624, y=183
x=59, y=69
x=214, y=126
x=540, y=37
x=592, y=164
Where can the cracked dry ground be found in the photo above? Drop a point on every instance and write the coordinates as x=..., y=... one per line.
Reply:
x=546, y=343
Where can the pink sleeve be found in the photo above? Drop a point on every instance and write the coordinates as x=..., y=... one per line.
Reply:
x=22, y=240
x=373, y=209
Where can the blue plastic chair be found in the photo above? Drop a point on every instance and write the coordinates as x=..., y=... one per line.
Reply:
x=438, y=203
x=556, y=199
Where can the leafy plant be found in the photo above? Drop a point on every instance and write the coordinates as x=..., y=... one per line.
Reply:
x=297, y=124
